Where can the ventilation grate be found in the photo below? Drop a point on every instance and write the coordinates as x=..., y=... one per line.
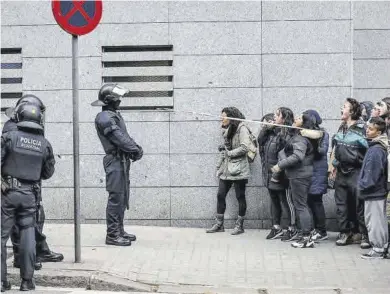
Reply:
x=11, y=76
x=145, y=70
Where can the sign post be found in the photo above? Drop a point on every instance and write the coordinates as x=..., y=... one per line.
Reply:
x=77, y=18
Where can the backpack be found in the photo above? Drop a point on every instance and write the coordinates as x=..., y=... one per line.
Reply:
x=253, y=147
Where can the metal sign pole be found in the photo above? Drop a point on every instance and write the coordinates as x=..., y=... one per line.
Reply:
x=76, y=151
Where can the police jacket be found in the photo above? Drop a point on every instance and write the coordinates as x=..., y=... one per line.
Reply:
x=113, y=135
x=26, y=155
x=10, y=125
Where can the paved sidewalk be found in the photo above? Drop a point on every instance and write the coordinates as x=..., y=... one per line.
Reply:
x=189, y=257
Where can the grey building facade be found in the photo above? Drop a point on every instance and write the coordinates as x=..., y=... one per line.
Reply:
x=189, y=57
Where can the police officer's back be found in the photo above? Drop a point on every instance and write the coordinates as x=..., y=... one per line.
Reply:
x=26, y=158
x=43, y=251
x=119, y=148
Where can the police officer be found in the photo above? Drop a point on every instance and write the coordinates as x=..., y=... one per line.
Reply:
x=120, y=148
x=44, y=254
x=26, y=158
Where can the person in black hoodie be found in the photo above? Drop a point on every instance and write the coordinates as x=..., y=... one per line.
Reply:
x=271, y=141
x=372, y=186
x=296, y=159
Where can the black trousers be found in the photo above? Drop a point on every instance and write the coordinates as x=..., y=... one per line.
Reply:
x=316, y=206
x=223, y=189
x=117, y=183
x=115, y=212
x=350, y=209
x=18, y=207
x=281, y=200
x=299, y=191
x=41, y=245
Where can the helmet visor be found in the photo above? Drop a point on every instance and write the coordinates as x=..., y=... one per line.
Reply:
x=119, y=91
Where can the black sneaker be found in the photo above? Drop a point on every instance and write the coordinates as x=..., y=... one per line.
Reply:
x=290, y=235
x=373, y=254
x=304, y=242
x=319, y=236
x=275, y=233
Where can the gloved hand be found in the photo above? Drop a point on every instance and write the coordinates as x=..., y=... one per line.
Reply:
x=221, y=148
x=139, y=155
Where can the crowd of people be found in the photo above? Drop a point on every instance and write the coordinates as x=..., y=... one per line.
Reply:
x=297, y=171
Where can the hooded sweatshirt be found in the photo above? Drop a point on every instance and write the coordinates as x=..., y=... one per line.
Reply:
x=372, y=181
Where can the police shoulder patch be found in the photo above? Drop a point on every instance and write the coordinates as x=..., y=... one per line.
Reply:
x=29, y=143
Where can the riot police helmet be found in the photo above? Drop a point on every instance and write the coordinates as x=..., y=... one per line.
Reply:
x=110, y=93
x=28, y=116
x=26, y=99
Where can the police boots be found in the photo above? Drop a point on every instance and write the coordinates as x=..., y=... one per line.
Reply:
x=125, y=235
x=5, y=285
x=218, y=226
x=50, y=256
x=27, y=285
x=117, y=241
x=239, y=228
x=128, y=236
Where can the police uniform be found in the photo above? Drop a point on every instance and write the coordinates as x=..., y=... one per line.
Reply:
x=43, y=252
x=26, y=148
x=120, y=148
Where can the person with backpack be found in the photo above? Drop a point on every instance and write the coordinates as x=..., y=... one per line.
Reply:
x=372, y=185
x=271, y=141
x=232, y=167
x=296, y=159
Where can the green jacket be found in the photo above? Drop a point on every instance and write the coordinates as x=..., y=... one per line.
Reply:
x=233, y=164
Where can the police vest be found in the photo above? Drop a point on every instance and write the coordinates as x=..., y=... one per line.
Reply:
x=25, y=158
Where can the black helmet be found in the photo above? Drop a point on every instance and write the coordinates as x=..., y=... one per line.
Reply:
x=28, y=116
x=29, y=99
x=109, y=93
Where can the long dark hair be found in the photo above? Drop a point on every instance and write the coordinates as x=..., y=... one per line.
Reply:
x=283, y=136
x=310, y=122
x=233, y=112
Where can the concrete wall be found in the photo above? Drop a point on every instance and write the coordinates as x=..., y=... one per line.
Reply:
x=253, y=55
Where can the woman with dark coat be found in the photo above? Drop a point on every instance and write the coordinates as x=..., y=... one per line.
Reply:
x=296, y=159
x=271, y=141
x=319, y=181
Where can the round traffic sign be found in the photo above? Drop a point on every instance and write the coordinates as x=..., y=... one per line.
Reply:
x=77, y=17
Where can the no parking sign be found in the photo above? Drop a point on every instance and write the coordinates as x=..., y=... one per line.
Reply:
x=77, y=18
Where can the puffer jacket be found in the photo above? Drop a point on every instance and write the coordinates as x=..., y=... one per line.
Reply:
x=271, y=141
x=296, y=159
x=350, y=147
x=233, y=164
x=319, y=181
x=372, y=181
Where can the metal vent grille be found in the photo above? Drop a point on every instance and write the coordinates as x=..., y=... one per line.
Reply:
x=145, y=70
x=11, y=76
